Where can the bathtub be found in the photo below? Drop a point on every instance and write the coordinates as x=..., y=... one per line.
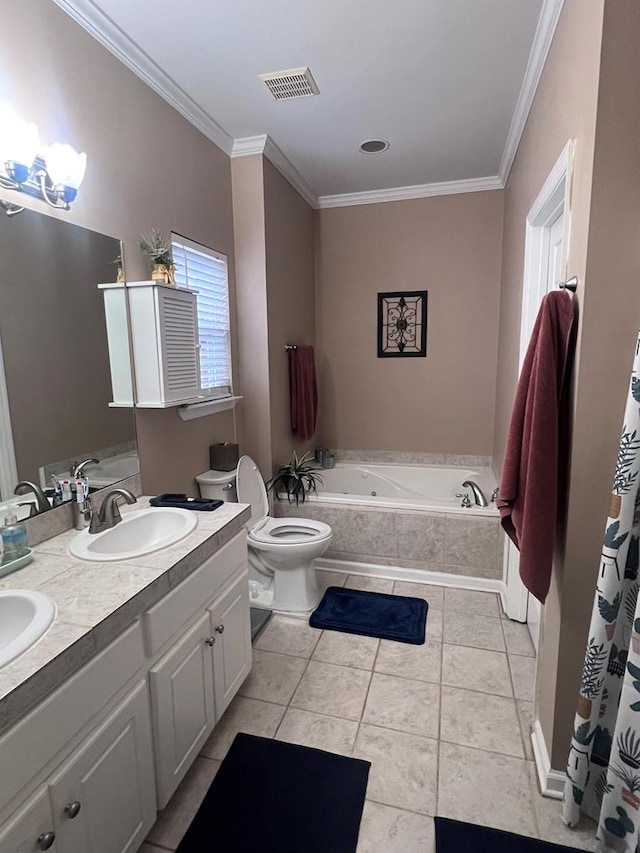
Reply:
x=428, y=487
x=407, y=521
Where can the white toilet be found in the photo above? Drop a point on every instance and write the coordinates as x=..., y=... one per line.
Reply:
x=281, y=550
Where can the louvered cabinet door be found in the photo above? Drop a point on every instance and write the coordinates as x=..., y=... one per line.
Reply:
x=178, y=339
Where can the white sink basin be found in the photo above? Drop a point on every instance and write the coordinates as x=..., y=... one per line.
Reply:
x=25, y=615
x=140, y=532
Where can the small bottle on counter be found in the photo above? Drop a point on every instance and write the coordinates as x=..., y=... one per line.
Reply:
x=14, y=539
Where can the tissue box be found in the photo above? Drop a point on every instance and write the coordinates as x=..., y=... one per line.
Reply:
x=224, y=456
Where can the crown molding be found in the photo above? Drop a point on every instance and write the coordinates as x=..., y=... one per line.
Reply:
x=265, y=145
x=547, y=23
x=104, y=30
x=471, y=185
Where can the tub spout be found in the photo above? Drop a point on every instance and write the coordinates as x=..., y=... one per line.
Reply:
x=478, y=494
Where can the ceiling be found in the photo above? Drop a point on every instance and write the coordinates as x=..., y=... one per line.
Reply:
x=447, y=82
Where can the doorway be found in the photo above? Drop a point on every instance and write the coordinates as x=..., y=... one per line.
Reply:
x=546, y=247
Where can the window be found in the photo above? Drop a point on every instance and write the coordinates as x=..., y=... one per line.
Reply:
x=205, y=271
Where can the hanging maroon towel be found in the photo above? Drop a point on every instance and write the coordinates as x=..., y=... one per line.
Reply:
x=304, y=391
x=528, y=493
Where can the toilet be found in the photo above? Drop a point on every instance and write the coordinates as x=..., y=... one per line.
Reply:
x=281, y=550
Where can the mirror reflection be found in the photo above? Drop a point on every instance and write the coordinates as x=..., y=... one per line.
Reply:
x=55, y=383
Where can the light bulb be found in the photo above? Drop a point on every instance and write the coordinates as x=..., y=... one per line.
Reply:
x=66, y=169
x=18, y=144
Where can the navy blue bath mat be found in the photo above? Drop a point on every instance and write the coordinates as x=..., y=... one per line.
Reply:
x=455, y=837
x=280, y=798
x=373, y=614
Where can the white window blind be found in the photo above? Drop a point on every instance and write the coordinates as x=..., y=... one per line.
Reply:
x=205, y=271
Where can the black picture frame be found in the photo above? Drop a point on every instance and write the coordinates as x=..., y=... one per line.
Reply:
x=402, y=324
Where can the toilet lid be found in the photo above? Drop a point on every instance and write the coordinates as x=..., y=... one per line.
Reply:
x=251, y=490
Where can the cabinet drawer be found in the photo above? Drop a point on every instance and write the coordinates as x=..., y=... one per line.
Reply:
x=29, y=746
x=165, y=619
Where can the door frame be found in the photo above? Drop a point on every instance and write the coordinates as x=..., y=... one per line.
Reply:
x=553, y=199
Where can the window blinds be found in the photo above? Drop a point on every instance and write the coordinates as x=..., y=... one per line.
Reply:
x=205, y=271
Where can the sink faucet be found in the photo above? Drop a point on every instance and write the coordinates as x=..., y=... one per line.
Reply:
x=478, y=494
x=42, y=502
x=109, y=515
x=77, y=470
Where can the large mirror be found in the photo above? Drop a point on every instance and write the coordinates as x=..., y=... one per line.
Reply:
x=55, y=382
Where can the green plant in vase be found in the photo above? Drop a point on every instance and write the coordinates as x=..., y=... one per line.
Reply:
x=158, y=249
x=295, y=479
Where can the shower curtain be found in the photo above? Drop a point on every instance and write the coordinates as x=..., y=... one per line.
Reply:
x=603, y=770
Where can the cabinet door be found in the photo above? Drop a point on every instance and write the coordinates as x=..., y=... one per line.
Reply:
x=178, y=324
x=103, y=798
x=231, y=624
x=182, y=706
x=31, y=829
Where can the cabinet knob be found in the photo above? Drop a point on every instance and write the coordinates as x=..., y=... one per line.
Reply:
x=45, y=840
x=220, y=629
x=210, y=641
x=71, y=809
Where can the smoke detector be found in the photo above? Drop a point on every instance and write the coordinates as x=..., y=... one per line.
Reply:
x=294, y=83
x=373, y=146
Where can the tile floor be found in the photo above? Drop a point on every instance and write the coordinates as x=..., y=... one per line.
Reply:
x=444, y=725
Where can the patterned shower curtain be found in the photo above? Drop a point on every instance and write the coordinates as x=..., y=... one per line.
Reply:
x=603, y=769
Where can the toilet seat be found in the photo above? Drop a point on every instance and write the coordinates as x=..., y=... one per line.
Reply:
x=288, y=531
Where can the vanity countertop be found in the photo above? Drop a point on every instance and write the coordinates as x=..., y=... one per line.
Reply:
x=97, y=601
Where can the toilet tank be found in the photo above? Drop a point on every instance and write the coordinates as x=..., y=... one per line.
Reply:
x=219, y=485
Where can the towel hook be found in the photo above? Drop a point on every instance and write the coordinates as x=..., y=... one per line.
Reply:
x=570, y=284
x=290, y=347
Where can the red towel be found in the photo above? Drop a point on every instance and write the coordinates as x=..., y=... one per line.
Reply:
x=304, y=392
x=528, y=493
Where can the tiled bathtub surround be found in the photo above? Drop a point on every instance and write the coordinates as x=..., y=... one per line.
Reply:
x=408, y=457
x=438, y=542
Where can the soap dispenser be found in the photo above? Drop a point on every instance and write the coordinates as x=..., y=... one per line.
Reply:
x=14, y=539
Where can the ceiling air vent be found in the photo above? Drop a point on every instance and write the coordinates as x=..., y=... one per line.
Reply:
x=294, y=83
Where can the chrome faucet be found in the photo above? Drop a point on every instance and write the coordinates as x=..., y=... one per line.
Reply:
x=42, y=502
x=77, y=470
x=109, y=515
x=478, y=494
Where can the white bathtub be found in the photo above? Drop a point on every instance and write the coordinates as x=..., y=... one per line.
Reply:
x=424, y=487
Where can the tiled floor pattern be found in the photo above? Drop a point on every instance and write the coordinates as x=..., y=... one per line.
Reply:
x=444, y=725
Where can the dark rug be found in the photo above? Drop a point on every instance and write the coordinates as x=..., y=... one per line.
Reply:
x=373, y=614
x=280, y=798
x=455, y=837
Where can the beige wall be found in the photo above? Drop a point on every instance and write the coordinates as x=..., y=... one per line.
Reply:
x=590, y=90
x=146, y=167
x=289, y=232
x=444, y=403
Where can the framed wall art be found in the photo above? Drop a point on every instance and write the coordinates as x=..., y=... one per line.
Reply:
x=402, y=324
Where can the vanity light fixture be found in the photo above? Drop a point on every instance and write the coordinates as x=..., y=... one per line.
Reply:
x=53, y=174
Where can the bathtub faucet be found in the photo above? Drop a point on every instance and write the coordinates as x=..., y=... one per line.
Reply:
x=478, y=494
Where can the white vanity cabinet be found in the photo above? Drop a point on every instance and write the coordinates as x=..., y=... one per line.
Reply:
x=31, y=828
x=87, y=769
x=193, y=683
x=103, y=798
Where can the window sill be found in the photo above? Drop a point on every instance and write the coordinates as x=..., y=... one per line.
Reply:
x=208, y=407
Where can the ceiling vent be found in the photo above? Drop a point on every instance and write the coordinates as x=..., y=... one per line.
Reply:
x=294, y=83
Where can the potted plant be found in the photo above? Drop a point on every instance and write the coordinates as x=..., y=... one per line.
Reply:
x=158, y=249
x=295, y=479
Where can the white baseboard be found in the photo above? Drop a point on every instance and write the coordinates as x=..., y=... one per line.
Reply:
x=399, y=573
x=551, y=781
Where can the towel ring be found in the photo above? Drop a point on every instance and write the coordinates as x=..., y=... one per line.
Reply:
x=570, y=284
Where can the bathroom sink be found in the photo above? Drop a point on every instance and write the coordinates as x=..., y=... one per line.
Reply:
x=25, y=615
x=140, y=532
